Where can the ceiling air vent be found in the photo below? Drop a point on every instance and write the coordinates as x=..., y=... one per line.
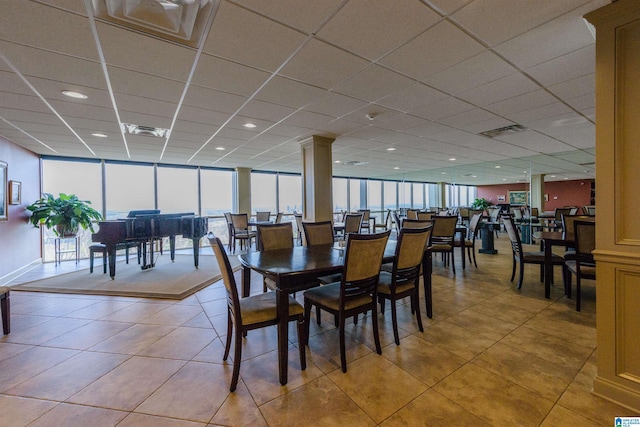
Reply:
x=507, y=130
x=355, y=163
x=132, y=129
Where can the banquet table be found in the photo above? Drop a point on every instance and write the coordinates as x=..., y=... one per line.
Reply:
x=295, y=269
x=548, y=239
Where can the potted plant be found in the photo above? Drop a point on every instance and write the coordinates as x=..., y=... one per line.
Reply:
x=64, y=214
x=480, y=203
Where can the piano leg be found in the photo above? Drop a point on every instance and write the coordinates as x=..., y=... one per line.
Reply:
x=172, y=247
x=196, y=251
x=145, y=264
x=112, y=261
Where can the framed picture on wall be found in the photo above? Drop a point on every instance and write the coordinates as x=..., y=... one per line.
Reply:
x=15, y=190
x=518, y=197
x=501, y=198
x=3, y=191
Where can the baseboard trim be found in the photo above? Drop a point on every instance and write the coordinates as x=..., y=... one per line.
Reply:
x=617, y=393
x=10, y=277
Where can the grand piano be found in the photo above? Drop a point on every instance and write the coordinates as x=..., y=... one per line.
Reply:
x=145, y=227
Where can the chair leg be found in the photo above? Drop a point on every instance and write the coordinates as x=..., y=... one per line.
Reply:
x=376, y=332
x=227, y=345
x=513, y=268
x=237, y=358
x=414, y=304
x=91, y=256
x=578, y=292
x=307, y=320
x=394, y=321
x=473, y=251
x=453, y=262
x=343, y=351
x=521, y=275
x=104, y=262
x=302, y=341
x=5, y=308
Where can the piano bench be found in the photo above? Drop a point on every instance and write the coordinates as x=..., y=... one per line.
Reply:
x=100, y=248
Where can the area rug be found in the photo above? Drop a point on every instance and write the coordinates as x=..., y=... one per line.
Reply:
x=172, y=280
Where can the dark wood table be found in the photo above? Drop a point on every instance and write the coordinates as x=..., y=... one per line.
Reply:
x=548, y=239
x=296, y=269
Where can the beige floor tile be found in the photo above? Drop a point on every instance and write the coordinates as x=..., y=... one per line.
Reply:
x=459, y=341
x=324, y=350
x=142, y=420
x=261, y=377
x=425, y=361
x=544, y=377
x=320, y=401
x=174, y=315
x=68, y=377
x=579, y=398
x=433, y=409
x=30, y=363
x=212, y=353
x=560, y=416
x=378, y=386
x=493, y=398
x=21, y=322
x=20, y=411
x=194, y=393
x=100, y=309
x=199, y=321
x=181, y=343
x=567, y=330
x=482, y=324
x=88, y=335
x=239, y=409
x=129, y=384
x=8, y=350
x=133, y=340
x=136, y=312
x=549, y=347
x=69, y=415
x=45, y=331
x=493, y=309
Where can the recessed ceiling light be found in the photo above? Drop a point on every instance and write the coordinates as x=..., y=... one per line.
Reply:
x=396, y=168
x=566, y=177
x=524, y=171
x=73, y=94
x=504, y=179
x=498, y=166
x=220, y=148
x=336, y=161
x=552, y=176
x=249, y=125
x=452, y=159
x=99, y=135
x=473, y=176
x=443, y=173
x=391, y=149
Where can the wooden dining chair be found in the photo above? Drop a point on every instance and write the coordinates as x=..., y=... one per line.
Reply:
x=298, y=218
x=352, y=223
x=241, y=230
x=318, y=233
x=384, y=225
x=263, y=216
x=249, y=313
x=583, y=266
x=365, y=224
x=271, y=237
x=443, y=238
x=357, y=290
x=278, y=218
x=403, y=280
x=530, y=257
x=425, y=216
x=469, y=242
x=412, y=213
x=227, y=217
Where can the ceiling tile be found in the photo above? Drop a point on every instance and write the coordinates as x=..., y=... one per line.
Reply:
x=373, y=83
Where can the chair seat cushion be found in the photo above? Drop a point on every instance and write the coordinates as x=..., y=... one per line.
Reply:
x=438, y=247
x=262, y=308
x=587, y=271
x=385, y=281
x=244, y=234
x=329, y=296
x=538, y=257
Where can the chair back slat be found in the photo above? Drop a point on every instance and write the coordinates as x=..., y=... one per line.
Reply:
x=318, y=233
x=363, y=258
x=275, y=236
x=585, y=238
x=568, y=221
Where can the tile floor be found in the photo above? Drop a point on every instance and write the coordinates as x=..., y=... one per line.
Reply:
x=491, y=355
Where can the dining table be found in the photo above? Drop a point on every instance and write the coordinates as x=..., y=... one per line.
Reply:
x=549, y=239
x=296, y=269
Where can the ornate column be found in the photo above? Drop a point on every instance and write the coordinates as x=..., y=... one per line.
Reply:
x=317, y=178
x=617, y=176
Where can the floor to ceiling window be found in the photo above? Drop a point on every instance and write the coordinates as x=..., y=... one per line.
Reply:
x=178, y=189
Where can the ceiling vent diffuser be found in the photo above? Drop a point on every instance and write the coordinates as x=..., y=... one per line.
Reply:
x=132, y=129
x=355, y=163
x=507, y=130
x=181, y=21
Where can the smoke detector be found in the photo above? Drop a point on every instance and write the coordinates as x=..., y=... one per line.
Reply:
x=371, y=116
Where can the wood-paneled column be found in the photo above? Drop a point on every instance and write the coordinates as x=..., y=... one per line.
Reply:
x=617, y=177
x=242, y=184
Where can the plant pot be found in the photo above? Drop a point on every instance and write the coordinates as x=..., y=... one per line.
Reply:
x=65, y=230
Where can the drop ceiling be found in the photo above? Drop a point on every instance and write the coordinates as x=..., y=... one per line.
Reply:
x=422, y=77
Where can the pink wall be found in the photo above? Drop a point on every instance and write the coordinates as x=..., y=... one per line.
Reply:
x=19, y=241
x=561, y=193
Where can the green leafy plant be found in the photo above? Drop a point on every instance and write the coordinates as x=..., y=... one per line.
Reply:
x=64, y=214
x=480, y=203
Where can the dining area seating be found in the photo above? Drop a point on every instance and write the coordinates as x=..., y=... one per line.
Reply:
x=241, y=231
x=583, y=265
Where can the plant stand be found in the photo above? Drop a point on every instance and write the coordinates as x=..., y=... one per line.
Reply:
x=58, y=243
